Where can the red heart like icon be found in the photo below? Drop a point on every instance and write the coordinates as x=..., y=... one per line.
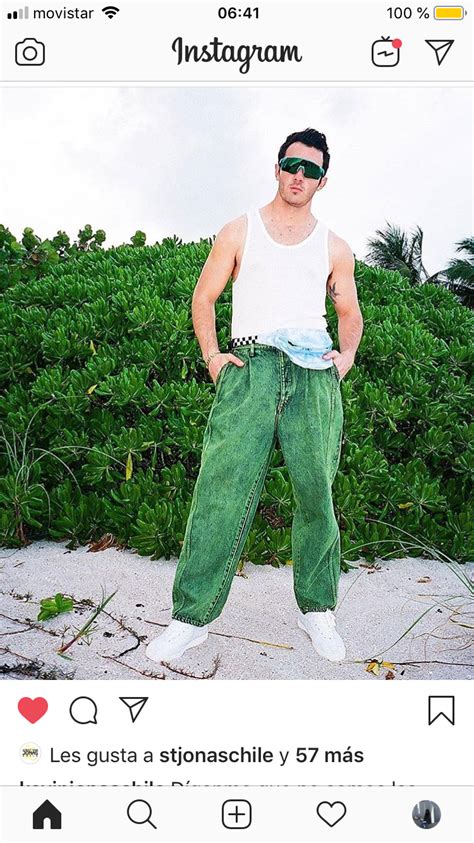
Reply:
x=32, y=710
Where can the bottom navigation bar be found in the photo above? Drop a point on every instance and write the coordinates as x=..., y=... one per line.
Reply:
x=209, y=813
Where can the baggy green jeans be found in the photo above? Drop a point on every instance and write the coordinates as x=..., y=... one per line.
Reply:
x=269, y=397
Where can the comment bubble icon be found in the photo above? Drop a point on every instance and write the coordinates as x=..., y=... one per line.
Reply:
x=83, y=710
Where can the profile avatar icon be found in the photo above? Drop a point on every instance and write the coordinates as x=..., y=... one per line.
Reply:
x=426, y=814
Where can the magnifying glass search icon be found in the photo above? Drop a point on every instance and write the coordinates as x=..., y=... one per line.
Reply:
x=139, y=812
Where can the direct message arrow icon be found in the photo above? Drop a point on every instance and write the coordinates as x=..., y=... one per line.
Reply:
x=441, y=48
x=134, y=705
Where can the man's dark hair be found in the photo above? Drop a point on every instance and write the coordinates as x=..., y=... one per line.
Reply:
x=311, y=138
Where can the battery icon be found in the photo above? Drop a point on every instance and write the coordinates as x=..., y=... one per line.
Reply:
x=449, y=12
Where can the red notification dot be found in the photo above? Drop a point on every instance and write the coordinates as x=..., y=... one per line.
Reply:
x=396, y=43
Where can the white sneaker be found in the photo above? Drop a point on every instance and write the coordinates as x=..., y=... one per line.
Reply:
x=175, y=640
x=321, y=628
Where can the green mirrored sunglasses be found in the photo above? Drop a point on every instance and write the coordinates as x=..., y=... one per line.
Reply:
x=310, y=169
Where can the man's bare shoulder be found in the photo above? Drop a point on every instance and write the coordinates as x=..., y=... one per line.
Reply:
x=233, y=231
x=339, y=251
x=338, y=247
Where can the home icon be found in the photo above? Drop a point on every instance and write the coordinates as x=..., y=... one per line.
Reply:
x=47, y=811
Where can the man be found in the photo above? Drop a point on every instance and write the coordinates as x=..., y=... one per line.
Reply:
x=283, y=383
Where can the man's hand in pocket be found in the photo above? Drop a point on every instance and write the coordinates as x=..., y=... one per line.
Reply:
x=219, y=361
x=342, y=360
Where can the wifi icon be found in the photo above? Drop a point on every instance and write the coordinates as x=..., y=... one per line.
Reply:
x=110, y=11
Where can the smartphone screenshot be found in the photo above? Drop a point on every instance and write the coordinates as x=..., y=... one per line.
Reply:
x=236, y=348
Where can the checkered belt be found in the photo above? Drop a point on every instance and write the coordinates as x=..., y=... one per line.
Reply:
x=236, y=341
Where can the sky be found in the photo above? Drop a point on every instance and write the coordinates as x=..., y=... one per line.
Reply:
x=185, y=161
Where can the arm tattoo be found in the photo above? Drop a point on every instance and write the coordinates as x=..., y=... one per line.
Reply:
x=332, y=291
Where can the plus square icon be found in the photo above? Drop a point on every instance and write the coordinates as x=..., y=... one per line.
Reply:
x=236, y=813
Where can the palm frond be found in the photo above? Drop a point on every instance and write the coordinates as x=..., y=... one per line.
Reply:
x=394, y=249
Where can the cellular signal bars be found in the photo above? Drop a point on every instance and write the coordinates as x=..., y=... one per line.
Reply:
x=21, y=14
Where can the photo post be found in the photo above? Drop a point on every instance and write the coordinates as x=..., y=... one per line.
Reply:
x=236, y=321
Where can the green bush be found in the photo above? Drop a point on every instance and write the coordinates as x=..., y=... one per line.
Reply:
x=104, y=400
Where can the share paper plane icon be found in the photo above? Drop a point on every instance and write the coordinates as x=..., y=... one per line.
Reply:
x=134, y=705
x=441, y=48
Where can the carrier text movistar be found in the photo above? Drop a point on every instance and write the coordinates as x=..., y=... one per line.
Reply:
x=62, y=14
x=217, y=51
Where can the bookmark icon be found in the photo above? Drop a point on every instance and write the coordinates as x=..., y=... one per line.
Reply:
x=440, y=707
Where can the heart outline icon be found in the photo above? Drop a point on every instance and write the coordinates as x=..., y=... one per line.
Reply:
x=331, y=806
x=32, y=710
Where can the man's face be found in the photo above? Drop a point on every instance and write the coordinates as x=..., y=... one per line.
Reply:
x=295, y=188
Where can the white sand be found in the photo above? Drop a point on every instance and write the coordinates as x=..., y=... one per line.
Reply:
x=375, y=608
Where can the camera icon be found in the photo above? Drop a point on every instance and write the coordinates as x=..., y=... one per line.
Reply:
x=29, y=51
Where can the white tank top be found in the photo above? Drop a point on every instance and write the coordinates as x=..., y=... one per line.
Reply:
x=280, y=286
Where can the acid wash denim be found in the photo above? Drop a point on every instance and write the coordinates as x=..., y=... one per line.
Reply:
x=268, y=398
